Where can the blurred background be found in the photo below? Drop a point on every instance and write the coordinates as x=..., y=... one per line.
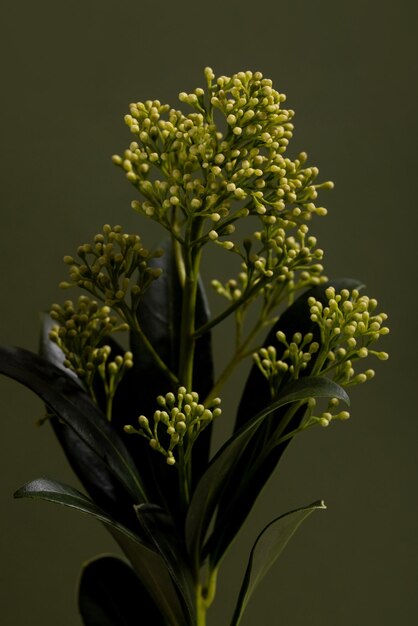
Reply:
x=69, y=70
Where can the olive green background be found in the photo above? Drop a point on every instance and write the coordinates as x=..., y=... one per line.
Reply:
x=69, y=70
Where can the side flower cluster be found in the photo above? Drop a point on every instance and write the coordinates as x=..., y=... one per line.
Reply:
x=114, y=268
x=276, y=263
x=348, y=325
x=178, y=423
x=81, y=333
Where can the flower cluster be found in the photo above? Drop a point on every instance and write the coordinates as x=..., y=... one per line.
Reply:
x=348, y=325
x=115, y=265
x=210, y=166
x=292, y=361
x=81, y=332
x=182, y=417
x=282, y=264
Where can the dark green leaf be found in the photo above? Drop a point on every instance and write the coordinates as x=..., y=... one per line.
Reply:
x=244, y=486
x=162, y=534
x=210, y=487
x=110, y=594
x=153, y=573
x=267, y=548
x=147, y=564
x=92, y=472
x=55, y=491
x=65, y=398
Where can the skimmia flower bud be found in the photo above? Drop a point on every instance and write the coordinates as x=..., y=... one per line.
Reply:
x=184, y=419
x=115, y=268
x=80, y=332
x=348, y=326
x=217, y=170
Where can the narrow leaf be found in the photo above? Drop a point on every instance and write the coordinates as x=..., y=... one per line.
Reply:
x=267, y=548
x=161, y=533
x=211, y=485
x=148, y=565
x=60, y=493
x=110, y=593
x=91, y=470
x=154, y=575
x=69, y=402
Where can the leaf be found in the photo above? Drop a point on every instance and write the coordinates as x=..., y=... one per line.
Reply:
x=60, y=493
x=110, y=593
x=69, y=402
x=162, y=534
x=153, y=573
x=147, y=563
x=267, y=548
x=244, y=486
x=92, y=472
x=210, y=487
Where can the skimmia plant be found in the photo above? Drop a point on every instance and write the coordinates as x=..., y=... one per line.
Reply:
x=136, y=423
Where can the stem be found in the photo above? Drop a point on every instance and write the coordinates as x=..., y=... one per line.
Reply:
x=179, y=263
x=109, y=406
x=184, y=482
x=177, y=243
x=213, y=393
x=295, y=432
x=278, y=438
x=192, y=258
x=204, y=598
x=188, y=265
x=135, y=326
x=240, y=353
x=247, y=295
x=200, y=607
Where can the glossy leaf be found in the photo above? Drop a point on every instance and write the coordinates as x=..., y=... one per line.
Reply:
x=60, y=493
x=211, y=485
x=65, y=398
x=267, y=548
x=244, y=487
x=111, y=594
x=92, y=472
x=162, y=534
x=148, y=565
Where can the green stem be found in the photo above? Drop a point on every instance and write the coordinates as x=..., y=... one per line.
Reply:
x=178, y=257
x=200, y=607
x=240, y=353
x=184, y=482
x=135, y=327
x=295, y=432
x=192, y=257
x=245, y=296
x=204, y=598
x=109, y=406
x=287, y=417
